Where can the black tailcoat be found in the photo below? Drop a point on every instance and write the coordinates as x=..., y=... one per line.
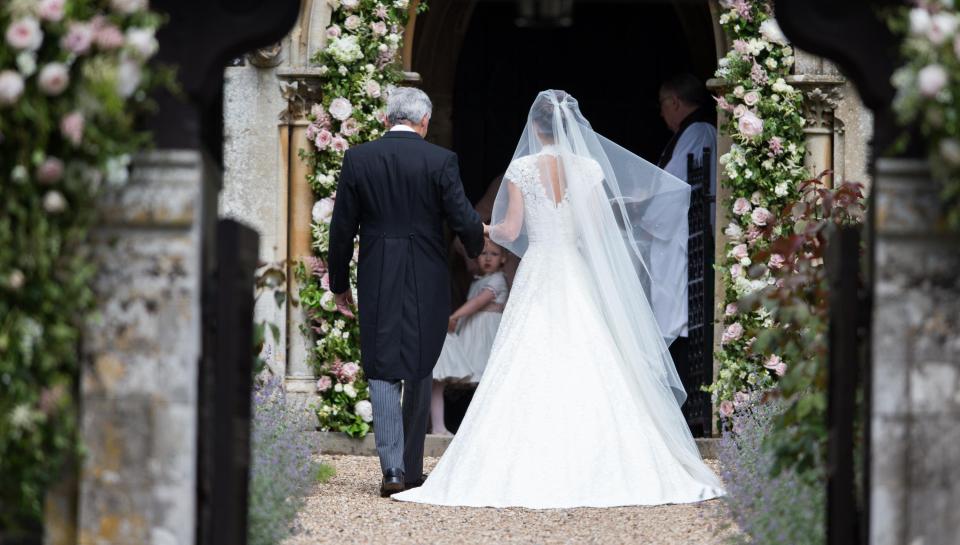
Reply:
x=397, y=191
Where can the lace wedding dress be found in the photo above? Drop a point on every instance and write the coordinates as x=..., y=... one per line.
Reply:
x=556, y=421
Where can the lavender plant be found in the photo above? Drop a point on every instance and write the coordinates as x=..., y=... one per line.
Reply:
x=282, y=464
x=786, y=508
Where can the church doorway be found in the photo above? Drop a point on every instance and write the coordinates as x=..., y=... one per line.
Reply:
x=483, y=62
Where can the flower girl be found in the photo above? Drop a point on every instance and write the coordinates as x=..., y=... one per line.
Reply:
x=471, y=331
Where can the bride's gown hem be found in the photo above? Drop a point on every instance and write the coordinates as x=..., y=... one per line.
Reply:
x=553, y=423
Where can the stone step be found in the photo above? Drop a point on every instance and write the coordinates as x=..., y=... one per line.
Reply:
x=328, y=442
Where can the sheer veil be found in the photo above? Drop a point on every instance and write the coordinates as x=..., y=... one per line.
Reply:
x=630, y=222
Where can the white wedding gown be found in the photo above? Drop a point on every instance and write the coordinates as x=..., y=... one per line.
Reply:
x=553, y=423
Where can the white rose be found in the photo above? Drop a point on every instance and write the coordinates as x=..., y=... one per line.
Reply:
x=402, y=4
x=950, y=151
x=350, y=5
x=919, y=21
x=54, y=78
x=117, y=168
x=322, y=210
x=345, y=49
x=142, y=42
x=11, y=87
x=781, y=190
x=350, y=391
x=770, y=30
x=129, y=75
x=942, y=26
x=16, y=279
x=327, y=302
x=931, y=80
x=364, y=410
x=338, y=387
x=751, y=98
x=25, y=34
x=340, y=108
x=771, y=63
x=54, y=203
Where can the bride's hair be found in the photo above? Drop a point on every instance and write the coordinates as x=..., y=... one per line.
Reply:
x=542, y=114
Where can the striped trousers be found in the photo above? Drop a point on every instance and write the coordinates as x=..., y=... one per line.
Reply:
x=401, y=428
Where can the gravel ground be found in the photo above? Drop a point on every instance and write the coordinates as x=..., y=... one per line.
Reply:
x=347, y=509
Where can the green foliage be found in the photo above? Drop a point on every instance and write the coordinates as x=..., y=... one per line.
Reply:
x=59, y=145
x=358, y=66
x=928, y=89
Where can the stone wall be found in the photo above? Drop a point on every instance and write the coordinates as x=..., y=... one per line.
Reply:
x=916, y=363
x=139, y=386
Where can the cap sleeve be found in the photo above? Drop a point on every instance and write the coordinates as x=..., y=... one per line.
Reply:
x=497, y=283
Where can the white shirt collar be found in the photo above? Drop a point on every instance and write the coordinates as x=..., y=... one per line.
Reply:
x=401, y=127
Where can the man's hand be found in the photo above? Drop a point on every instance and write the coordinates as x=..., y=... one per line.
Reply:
x=344, y=303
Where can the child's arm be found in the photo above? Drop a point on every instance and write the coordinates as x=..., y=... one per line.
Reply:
x=484, y=298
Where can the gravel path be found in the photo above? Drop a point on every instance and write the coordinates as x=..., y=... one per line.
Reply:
x=347, y=509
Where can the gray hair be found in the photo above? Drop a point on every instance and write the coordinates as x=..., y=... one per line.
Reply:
x=407, y=104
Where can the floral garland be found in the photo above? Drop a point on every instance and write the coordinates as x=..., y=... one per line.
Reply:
x=358, y=65
x=928, y=88
x=70, y=72
x=764, y=168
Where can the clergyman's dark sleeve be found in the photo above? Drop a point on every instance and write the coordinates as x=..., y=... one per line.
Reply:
x=343, y=229
x=462, y=218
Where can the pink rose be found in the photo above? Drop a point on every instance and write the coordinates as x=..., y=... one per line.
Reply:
x=780, y=369
x=11, y=87
x=333, y=31
x=339, y=144
x=324, y=384
x=349, y=371
x=726, y=408
x=740, y=251
x=108, y=37
x=776, y=261
x=750, y=125
x=51, y=10
x=751, y=98
x=741, y=206
x=78, y=38
x=379, y=28
x=739, y=111
x=931, y=80
x=352, y=22
x=741, y=46
x=753, y=233
x=350, y=127
x=775, y=364
x=732, y=333
x=736, y=271
x=312, y=130
x=50, y=170
x=72, y=127
x=324, y=137
x=25, y=34
x=761, y=216
x=53, y=78
x=730, y=310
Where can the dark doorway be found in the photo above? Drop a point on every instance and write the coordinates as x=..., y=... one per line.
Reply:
x=610, y=55
x=612, y=58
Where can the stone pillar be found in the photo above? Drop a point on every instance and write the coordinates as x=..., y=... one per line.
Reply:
x=139, y=386
x=821, y=97
x=915, y=435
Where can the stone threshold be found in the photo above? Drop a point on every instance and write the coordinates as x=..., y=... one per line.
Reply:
x=328, y=442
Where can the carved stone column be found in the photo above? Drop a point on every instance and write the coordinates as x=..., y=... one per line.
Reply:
x=821, y=98
x=300, y=89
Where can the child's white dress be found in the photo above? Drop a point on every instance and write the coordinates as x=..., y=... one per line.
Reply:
x=465, y=353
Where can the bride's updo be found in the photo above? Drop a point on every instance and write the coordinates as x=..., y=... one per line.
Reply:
x=542, y=113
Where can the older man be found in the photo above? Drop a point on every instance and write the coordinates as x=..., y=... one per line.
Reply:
x=397, y=192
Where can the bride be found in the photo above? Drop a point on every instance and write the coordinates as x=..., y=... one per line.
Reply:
x=580, y=403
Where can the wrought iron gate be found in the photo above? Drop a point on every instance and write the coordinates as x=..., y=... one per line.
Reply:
x=695, y=364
